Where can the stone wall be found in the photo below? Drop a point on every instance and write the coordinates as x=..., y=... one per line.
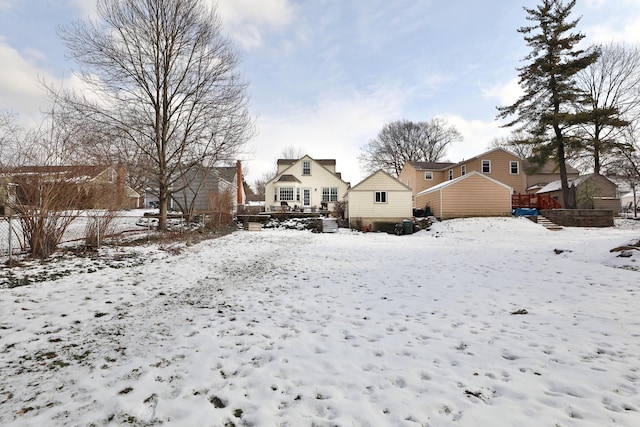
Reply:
x=579, y=217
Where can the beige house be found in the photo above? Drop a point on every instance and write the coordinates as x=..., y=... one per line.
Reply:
x=379, y=199
x=499, y=164
x=305, y=184
x=472, y=194
x=421, y=175
x=593, y=191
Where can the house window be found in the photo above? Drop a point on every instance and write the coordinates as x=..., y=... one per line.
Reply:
x=463, y=170
x=330, y=194
x=486, y=166
x=297, y=194
x=306, y=167
x=514, y=167
x=286, y=194
x=450, y=174
x=381, y=197
x=428, y=176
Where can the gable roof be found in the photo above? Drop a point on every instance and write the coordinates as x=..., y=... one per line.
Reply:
x=460, y=178
x=228, y=173
x=322, y=162
x=380, y=171
x=486, y=153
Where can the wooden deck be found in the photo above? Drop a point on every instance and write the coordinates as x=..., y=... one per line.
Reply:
x=534, y=201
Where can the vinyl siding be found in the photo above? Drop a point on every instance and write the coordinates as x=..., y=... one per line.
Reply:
x=500, y=169
x=414, y=179
x=362, y=205
x=320, y=177
x=472, y=196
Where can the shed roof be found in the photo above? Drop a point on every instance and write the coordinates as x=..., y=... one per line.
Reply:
x=557, y=185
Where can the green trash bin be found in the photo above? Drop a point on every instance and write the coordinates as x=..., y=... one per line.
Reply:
x=407, y=226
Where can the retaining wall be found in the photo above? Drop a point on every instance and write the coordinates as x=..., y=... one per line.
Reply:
x=580, y=217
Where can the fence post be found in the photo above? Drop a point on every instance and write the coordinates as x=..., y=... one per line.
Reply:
x=10, y=233
x=97, y=232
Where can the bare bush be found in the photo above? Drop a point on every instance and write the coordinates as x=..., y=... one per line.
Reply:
x=99, y=225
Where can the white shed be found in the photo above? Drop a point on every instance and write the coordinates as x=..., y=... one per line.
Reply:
x=379, y=199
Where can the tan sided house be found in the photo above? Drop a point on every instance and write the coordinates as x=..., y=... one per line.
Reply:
x=305, y=184
x=422, y=175
x=498, y=164
x=472, y=194
x=378, y=199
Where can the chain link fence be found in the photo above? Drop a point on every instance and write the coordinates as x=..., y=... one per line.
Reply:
x=87, y=228
x=94, y=228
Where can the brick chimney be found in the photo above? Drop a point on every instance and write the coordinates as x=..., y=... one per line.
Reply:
x=240, y=186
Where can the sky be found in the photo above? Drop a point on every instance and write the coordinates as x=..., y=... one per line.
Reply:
x=510, y=325
x=326, y=75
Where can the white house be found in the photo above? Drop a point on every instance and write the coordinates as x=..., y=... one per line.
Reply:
x=305, y=184
x=379, y=198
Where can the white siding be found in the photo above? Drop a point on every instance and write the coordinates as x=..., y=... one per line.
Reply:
x=319, y=178
x=363, y=206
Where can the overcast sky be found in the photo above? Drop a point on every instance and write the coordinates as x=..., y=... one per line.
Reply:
x=326, y=75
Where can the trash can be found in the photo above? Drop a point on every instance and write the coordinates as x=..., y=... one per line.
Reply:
x=407, y=226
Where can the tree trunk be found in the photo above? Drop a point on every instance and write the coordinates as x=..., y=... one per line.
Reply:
x=568, y=201
x=163, y=201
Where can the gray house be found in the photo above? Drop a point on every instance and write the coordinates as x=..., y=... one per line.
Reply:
x=205, y=189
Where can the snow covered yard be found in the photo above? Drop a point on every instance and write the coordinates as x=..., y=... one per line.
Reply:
x=290, y=328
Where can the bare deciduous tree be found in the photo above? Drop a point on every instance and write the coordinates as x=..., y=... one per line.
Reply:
x=402, y=141
x=164, y=79
x=292, y=152
x=627, y=161
x=260, y=183
x=519, y=143
x=612, y=84
x=9, y=137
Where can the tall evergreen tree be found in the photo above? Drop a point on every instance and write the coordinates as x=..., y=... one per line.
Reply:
x=545, y=109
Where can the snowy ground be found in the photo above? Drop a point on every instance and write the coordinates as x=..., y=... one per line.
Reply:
x=290, y=328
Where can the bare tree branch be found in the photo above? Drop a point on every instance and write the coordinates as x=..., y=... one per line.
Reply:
x=163, y=78
x=402, y=141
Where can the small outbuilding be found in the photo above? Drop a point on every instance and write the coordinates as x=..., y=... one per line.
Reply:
x=378, y=201
x=472, y=194
x=592, y=191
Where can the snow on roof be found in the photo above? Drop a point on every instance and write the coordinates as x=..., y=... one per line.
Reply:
x=557, y=185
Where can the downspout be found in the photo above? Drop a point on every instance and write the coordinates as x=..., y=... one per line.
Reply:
x=441, y=204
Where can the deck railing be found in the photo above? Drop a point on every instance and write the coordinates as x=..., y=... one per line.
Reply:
x=537, y=201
